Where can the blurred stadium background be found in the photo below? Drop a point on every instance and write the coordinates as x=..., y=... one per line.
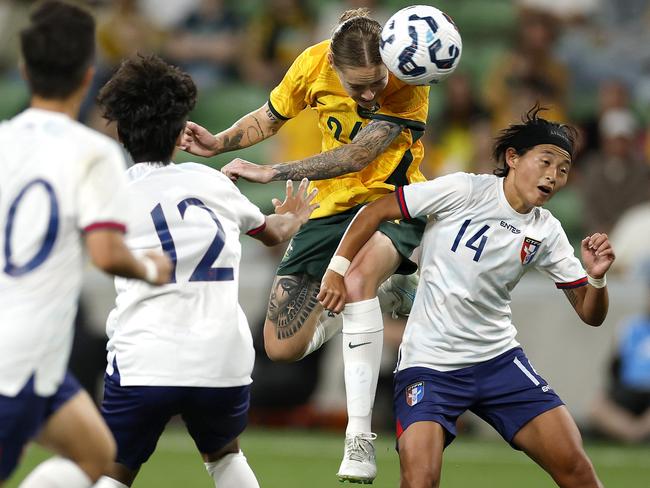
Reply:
x=587, y=60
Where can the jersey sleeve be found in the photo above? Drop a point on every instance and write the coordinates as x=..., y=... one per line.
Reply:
x=408, y=106
x=560, y=264
x=288, y=99
x=439, y=198
x=103, y=196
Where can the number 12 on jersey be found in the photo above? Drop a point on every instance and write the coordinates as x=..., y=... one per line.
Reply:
x=204, y=270
x=471, y=242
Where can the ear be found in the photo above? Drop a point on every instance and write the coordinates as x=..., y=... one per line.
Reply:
x=512, y=158
x=179, y=138
x=86, y=82
x=23, y=70
x=88, y=77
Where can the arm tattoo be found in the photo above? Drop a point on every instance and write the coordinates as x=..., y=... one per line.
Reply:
x=275, y=122
x=572, y=297
x=259, y=128
x=248, y=131
x=371, y=141
x=232, y=143
x=254, y=133
x=271, y=115
x=293, y=299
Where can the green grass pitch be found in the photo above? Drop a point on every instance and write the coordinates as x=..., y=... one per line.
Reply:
x=299, y=459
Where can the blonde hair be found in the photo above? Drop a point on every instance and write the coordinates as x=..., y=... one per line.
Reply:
x=355, y=41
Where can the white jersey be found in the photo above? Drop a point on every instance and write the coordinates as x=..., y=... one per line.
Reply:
x=59, y=179
x=475, y=250
x=191, y=332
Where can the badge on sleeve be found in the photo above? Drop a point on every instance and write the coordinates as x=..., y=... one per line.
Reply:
x=414, y=393
x=528, y=250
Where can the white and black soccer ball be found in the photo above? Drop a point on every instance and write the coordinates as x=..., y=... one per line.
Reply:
x=420, y=45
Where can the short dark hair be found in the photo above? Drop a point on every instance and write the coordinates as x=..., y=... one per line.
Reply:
x=58, y=46
x=531, y=123
x=150, y=100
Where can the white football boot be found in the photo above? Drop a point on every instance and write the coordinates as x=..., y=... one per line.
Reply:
x=397, y=293
x=358, y=465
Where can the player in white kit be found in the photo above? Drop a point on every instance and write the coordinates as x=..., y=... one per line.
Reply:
x=185, y=348
x=459, y=350
x=61, y=196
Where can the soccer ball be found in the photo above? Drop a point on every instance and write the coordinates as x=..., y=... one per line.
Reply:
x=420, y=45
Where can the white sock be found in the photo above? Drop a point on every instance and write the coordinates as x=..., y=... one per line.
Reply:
x=326, y=328
x=363, y=338
x=106, y=482
x=57, y=472
x=232, y=471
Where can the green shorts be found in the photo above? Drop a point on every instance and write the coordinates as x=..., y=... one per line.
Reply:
x=311, y=249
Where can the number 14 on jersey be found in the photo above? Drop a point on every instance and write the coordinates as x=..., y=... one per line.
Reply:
x=471, y=243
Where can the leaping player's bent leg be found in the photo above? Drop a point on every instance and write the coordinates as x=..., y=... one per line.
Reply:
x=295, y=324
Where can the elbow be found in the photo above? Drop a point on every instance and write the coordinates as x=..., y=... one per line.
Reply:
x=595, y=323
x=593, y=320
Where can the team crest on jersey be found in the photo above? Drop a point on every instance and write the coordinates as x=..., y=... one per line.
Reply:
x=414, y=393
x=529, y=249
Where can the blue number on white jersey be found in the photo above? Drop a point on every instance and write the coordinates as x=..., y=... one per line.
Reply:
x=13, y=269
x=204, y=270
x=478, y=250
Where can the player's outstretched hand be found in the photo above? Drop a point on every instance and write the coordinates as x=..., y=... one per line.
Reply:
x=597, y=254
x=299, y=204
x=332, y=293
x=240, y=168
x=197, y=140
x=163, y=268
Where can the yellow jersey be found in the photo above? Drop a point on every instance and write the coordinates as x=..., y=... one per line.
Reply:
x=312, y=82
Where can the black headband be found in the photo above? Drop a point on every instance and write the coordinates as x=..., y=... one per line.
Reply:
x=535, y=134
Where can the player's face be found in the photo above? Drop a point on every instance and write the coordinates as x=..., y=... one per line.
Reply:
x=364, y=84
x=536, y=176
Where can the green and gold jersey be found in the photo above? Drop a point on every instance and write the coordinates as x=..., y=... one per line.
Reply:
x=312, y=82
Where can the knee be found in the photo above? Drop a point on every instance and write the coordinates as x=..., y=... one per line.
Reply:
x=578, y=472
x=360, y=285
x=100, y=459
x=283, y=353
x=417, y=470
x=418, y=477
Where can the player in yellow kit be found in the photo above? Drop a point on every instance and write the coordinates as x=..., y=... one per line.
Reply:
x=371, y=126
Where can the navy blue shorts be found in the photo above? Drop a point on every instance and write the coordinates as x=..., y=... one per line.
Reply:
x=137, y=416
x=22, y=416
x=505, y=391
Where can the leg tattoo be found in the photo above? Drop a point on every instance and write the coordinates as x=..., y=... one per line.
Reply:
x=292, y=300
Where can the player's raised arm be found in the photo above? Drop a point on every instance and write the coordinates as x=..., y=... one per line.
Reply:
x=289, y=215
x=332, y=293
x=591, y=302
x=369, y=144
x=109, y=253
x=250, y=129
